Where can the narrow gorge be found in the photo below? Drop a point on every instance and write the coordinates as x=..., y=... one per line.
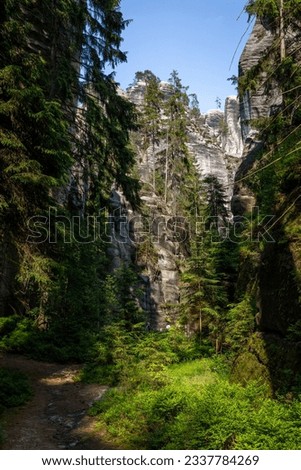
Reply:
x=150, y=247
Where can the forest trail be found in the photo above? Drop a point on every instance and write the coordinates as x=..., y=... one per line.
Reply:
x=56, y=416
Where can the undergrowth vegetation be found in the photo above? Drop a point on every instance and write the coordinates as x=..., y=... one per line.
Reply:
x=68, y=138
x=172, y=393
x=14, y=390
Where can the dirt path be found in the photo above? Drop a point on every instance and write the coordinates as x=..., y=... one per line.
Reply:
x=56, y=417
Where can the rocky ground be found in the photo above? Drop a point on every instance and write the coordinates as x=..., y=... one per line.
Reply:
x=56, y=416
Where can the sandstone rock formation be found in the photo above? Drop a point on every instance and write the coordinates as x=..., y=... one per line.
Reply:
x=215, y=144
x=262, y=100
x=259, y=103
x=270, y=272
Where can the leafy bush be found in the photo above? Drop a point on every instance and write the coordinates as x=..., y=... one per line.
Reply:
x=196, y=407
x=136, y=356
x=241, y=323
x=14, y=388
x=25, y=338
x=7, y=324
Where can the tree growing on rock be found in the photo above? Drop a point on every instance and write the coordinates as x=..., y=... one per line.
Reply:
x=151, y=120
x=175, y=129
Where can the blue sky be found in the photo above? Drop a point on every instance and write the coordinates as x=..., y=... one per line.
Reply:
x=195, y=37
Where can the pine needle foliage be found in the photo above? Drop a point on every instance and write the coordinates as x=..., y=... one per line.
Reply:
x=62, y=123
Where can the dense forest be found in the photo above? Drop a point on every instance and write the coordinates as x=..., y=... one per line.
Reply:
x=211, y=359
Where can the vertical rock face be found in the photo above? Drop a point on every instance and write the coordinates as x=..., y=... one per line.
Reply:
x=122, y=249
x=260, y=103
x=273, y=275
x=232, y=140
x=262, y=100
x=215, y=145
x=214, y=140
x=150, y=242
x=136, y=92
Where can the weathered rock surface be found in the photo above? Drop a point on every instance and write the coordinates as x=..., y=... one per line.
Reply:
x=214, y=139
x=121, y=248
x=215, y=144
x=259, y=103
x=149, y=243
x=272, y=274
x=262, y=100
x=232, y=139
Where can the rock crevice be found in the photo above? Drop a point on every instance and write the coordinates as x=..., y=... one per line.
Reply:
x=215, y=145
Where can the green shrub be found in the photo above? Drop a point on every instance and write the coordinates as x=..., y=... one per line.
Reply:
x=7, y=324
x=14, y=388
x=22, y=336
x=241, y=323
x=196, y=407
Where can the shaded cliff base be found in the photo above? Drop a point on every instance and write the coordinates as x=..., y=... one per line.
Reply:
x=273, y=361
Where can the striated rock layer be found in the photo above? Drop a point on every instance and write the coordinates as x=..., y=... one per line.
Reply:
x=261, y=101
x=214, y=140
x=215, y=145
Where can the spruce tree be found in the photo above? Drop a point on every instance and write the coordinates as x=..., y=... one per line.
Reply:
x=204, y=286
x=61, y=121
x=176, y=130
x=216, y=210
x=151, y=122
x=203, y=296
x=194, y=106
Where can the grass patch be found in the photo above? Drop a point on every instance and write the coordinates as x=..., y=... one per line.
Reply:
x=196, y=407
x=171, y=393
